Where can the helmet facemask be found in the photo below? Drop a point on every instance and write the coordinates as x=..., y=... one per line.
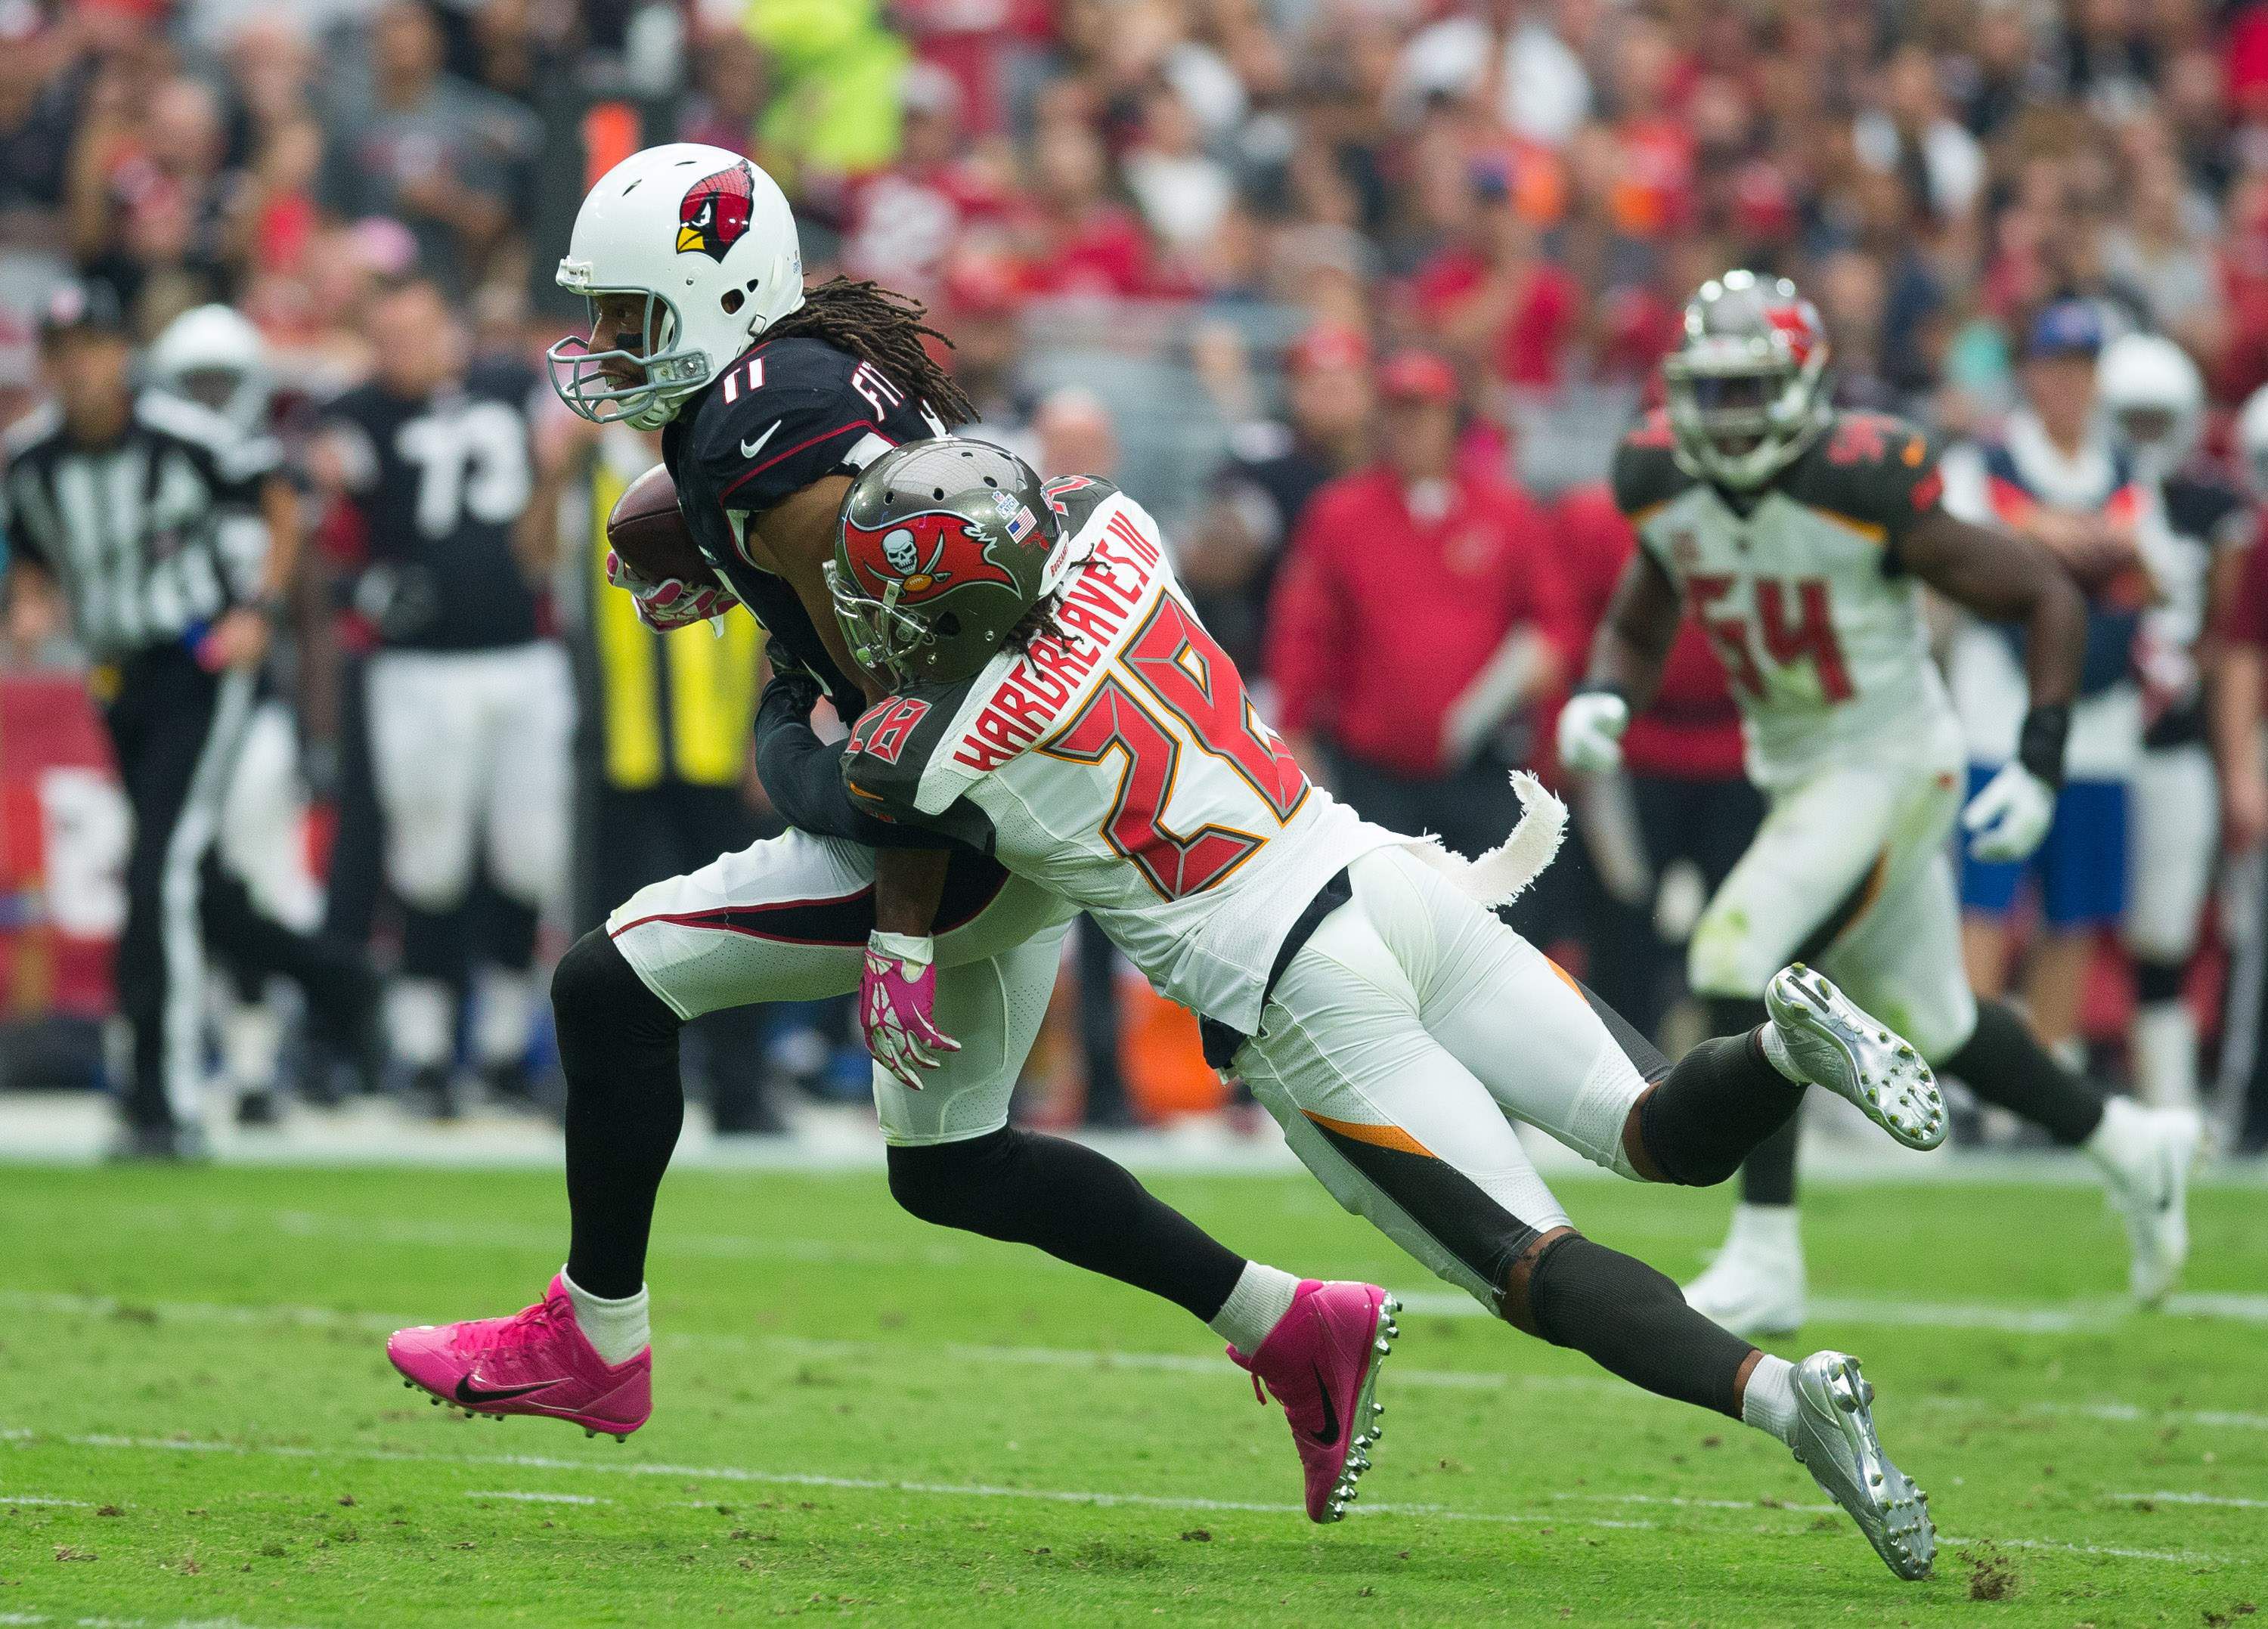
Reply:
x=883, y=639
x=665, y=373
x=1743, y=409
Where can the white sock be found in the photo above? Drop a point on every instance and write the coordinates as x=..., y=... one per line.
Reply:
x=2166, y=1055
x=616, y=1329
x=2110, y=1145
x=1769, y=1403
x=1770, y=1229
x=1262, y=1295
x=421, y=1020
x=1777, y=1055
x=506, y=1015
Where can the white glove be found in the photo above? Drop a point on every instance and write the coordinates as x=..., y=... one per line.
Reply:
x=1591, y=726
x=2007, y=820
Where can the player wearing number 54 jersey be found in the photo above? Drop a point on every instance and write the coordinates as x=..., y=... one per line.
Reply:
x=1799, y=538
x=1061, y=706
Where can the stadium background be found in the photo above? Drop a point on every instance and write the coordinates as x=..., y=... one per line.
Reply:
x=1142, y=220
x=1185, y=212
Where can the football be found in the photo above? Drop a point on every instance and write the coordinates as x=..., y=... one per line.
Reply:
x=646, y=528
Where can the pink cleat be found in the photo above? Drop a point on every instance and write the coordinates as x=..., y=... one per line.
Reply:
x=1321, y=1362
x=534, y=1362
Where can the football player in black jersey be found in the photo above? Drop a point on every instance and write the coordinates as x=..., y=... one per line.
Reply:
x=770, y=398
x=469, y=700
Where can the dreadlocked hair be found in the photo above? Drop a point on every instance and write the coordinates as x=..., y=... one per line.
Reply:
x=884, y=328
x=1038, y=623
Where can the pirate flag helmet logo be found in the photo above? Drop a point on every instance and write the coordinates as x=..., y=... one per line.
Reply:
x=715, y=213
x=925, y=554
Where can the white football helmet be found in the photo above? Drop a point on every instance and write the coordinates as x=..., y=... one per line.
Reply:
x=215, y=358
x=706, y=240
x=2252, y=440
x=2154, y=396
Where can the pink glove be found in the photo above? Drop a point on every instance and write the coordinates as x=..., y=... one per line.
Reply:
x=673, y=603
x=897, y=1006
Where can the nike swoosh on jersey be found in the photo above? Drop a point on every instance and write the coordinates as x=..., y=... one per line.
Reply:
x=749, y=449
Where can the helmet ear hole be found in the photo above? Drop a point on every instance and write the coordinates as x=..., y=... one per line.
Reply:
x=731, y=301
x=949, y=625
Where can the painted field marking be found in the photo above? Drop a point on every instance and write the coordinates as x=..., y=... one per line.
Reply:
x=1099, y=1359
x=980, y=1489
x=2225, y=1500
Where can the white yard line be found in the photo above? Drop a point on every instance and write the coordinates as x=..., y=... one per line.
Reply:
x=1068, y=1496
x=30, y=1499
x=1098, y=1359
x=2162, y=1497
x=12, y=1620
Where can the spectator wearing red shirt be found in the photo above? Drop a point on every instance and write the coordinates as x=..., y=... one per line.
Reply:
x=1417, y=618
x=1494, y=297
x=1075, y=239
x=1684, y=798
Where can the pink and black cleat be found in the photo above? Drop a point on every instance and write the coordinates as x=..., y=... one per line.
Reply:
x=534, y=1362
x=1321, y=1361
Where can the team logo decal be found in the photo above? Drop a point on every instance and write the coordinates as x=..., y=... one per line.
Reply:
x=924, y=556
x=715, y=213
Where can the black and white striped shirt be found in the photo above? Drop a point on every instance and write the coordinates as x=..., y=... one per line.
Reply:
x=152, y=537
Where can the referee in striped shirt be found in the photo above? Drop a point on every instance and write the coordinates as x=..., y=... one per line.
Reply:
x=171, y=537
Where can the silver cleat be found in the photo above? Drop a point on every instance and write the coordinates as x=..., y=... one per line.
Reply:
x=1839, y=1047
x=1834, y=1441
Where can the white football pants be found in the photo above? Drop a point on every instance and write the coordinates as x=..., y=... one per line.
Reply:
x=1402, y=1043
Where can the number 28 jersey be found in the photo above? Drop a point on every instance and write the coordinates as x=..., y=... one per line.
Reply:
x=1122, y=767
x=1801, y=592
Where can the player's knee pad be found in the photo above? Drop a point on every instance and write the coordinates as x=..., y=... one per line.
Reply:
x=600, y=1006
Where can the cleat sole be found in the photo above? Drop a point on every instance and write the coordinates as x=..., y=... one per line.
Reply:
x=1856, y=1058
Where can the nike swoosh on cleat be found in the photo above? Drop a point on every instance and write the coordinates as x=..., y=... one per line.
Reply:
x=1329, y=1435
x=749, y=449
x=466, y=1394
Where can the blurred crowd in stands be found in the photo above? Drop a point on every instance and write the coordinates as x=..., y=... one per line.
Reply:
x=1369, y=287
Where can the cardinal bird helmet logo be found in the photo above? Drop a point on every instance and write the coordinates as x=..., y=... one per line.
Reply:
x=715, y=213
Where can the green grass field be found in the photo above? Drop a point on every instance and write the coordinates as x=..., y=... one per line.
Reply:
x=860, y=1417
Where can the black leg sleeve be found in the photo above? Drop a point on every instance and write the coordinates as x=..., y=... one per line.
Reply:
x=1070, y=1202
x=1768, y=1173
x=1630, y=1321
x=625, y=1107
x=2003, y=1063
x=1721, y=1100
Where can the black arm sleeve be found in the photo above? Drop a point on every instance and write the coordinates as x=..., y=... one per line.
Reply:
x=802, y=776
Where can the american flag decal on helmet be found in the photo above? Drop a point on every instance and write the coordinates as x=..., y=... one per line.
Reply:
x=1020, y=524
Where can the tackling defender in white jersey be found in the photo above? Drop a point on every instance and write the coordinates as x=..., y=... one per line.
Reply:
x=1800, y=537
x=1059, y=705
